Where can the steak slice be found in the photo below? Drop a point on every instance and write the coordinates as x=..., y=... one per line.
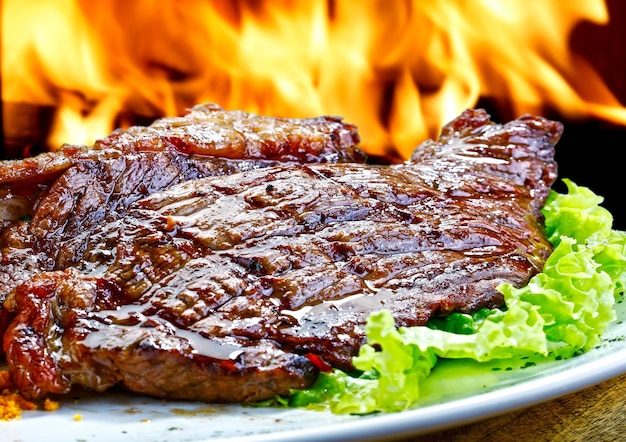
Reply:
x=50, y=204
x=232, y=288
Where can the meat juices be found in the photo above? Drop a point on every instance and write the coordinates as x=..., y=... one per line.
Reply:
x=231, y=288
x=49, y=204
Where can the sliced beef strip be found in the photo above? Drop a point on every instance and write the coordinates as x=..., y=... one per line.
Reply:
x=287, y=261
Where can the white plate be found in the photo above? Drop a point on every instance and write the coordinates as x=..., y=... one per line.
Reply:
x=469, y=396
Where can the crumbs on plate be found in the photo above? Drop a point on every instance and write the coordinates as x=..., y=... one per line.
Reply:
x=12, y=403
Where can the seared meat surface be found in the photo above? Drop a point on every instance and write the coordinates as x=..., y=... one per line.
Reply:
x=231, y=288
x=64, y=195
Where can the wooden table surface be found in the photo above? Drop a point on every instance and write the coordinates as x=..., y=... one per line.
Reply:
x=595, y=414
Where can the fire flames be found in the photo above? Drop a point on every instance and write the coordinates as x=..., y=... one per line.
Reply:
x=399, y=70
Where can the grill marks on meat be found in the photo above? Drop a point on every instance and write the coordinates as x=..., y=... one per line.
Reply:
x=210, y=131
x=68, y=193
x=221, y=287
x=147, y=355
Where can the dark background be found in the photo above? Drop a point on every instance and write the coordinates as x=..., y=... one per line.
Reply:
x=591, y=151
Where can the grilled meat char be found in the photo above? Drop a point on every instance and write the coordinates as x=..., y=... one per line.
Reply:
x=50, y=204
x=221, y=289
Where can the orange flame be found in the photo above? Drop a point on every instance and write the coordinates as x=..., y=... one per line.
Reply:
x=399, y=70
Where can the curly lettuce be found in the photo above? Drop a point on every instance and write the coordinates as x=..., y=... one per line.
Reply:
x=561, y=312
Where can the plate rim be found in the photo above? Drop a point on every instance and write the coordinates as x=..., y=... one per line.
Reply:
x=463, y=411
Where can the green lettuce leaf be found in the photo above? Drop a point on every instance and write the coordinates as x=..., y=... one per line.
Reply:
x=561, y=312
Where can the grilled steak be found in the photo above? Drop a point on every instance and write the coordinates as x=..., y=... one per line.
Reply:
x=234, y=288
x=64, y=195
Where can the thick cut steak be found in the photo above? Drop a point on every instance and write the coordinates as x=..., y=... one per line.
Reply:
x=233, y=288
